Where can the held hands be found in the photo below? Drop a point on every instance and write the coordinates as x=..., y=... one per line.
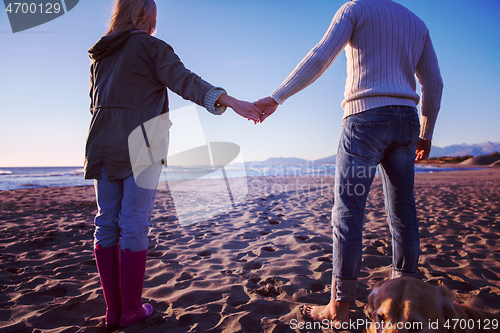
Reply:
x=423, y=149
x=245, y=109
x=267, y=105
x=257, y=111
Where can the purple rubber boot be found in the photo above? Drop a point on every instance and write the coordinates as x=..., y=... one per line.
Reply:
x=108, y=266
x=133, y=268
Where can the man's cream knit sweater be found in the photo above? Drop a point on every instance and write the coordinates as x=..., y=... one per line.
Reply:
x=386, y=45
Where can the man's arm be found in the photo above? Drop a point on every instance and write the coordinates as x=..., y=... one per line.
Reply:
x=319, y=59
x=267, y=105
x=423, y=149
x=429, y=77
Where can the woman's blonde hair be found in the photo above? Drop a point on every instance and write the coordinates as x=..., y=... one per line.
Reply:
x=133, y=14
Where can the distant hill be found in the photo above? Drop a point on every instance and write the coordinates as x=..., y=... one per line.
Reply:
x=490, y=159
x=474, y=150
x=284, y=160
x=296, y=160
x=329, y=159
x=465, y=149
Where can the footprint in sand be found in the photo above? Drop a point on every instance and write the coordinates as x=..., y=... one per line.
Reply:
x=204, y=253
x=155, y=254
x=238, y=296
x=303, y=238
x=266, y=291
x=185, y=276
x=252, y=265
x=268, y=249
x=271, y=287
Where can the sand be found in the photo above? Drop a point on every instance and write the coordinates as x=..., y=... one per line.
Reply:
x=486, y=160
x=246, y=270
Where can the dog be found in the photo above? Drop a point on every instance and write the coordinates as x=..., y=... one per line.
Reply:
x=410, y=305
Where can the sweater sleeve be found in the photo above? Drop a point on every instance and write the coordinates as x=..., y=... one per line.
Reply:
x=320, y=58
x=211, y=99
x=185, y=83
x=430, y=80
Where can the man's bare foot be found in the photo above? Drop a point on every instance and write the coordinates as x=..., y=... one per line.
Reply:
x=334, y=311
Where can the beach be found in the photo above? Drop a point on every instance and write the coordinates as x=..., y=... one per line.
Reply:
x=247, y=269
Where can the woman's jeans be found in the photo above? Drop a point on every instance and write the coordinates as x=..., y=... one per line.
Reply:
x=385, y=136
x=124, y=213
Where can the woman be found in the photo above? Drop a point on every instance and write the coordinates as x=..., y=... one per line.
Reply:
x=130, y=73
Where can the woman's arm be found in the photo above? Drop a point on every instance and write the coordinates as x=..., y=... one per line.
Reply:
x=190, y=86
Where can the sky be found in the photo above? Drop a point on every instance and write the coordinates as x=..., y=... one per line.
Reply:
x=249, y=48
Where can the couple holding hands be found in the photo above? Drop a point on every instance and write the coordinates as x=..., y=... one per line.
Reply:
x=386, y=46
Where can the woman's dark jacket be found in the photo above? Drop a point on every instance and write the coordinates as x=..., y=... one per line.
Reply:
x=129, y=76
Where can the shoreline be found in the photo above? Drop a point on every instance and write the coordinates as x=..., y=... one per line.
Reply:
x=249, y=267
x=72, y=176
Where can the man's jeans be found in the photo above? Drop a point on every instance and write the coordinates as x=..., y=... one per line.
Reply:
x=385, y=136
x=124, y=214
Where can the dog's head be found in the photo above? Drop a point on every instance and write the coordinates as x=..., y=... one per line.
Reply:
x=407, y=305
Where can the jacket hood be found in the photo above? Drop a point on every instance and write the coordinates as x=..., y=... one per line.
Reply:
x=109, y=44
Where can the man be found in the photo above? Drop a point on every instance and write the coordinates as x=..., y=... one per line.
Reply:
x=386, y=46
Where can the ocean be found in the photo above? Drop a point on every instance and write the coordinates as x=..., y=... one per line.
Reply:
x=34, y=177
